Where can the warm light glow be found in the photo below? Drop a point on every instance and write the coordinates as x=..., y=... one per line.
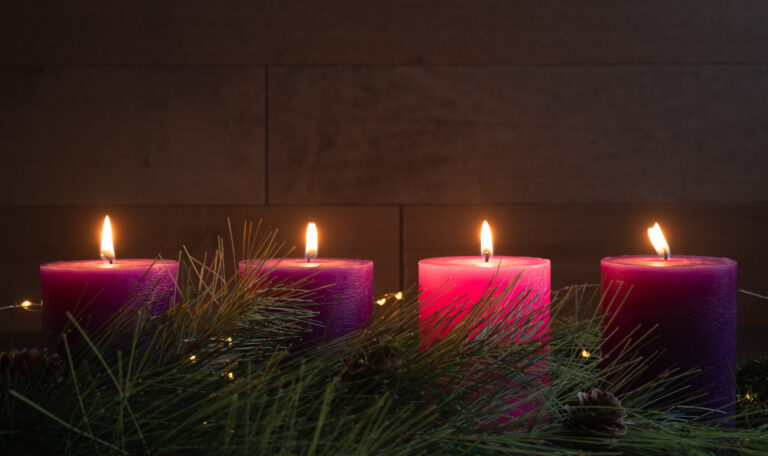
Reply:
x=193, y=358
x=311, y=247
x=25, y=304
x=229, y=340
x=399, y=295
x=231, y=376
x=486, y=241
x=381, y=301
x=585, y=354
x=658, y=241
x=107, y=246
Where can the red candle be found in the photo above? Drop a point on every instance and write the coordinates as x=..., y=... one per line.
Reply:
x=691, y=300
x=94, y=290
x=341, y=289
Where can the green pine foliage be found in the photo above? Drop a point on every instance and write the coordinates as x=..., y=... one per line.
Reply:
x=224, y=372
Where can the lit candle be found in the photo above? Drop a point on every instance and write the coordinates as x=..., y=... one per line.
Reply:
x=693, y=302
x=341, y=290
x=94, y=290
x=448, y=284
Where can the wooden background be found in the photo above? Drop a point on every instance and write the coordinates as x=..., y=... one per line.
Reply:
x=570, y=126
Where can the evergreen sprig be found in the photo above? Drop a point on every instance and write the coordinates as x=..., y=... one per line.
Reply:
x=224, y=372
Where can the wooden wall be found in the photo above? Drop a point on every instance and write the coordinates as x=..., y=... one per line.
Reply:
x=571, y=126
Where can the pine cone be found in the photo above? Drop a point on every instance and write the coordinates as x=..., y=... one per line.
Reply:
x=597, y=414
x=16, y=364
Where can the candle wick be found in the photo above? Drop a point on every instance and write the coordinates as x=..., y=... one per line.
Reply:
x=111, y=261
x=666, y=255
x=309, y=258
x=487, y=256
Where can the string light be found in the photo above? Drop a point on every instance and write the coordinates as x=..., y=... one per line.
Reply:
x=25, y=305
x=229, y=341
x=752, y=398
x=398, y=296
x=585, y=353
x=231, y=376
x=193, y=358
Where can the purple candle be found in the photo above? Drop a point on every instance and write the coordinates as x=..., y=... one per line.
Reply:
x=693, y=302
x=94, y=290
x=341, y=290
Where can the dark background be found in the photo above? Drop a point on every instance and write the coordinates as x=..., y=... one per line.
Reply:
x=570, y=126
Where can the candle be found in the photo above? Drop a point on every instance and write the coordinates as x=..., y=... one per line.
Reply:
x=94, y=290
x=448, y=284
x=341, y=290
x=693, y=302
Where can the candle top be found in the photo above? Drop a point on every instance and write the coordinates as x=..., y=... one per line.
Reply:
x=500, y=262
x=303, y=263
x=674, y=262
x=123, y=263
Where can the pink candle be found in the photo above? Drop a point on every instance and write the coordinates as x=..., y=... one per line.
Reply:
x=94, y=290
x=692, y=303
x=447, y=284
x=341, y=290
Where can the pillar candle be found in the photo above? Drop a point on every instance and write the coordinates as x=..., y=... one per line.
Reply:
x=94, y=290
x=447, y=284
x=99, y=289
x=692, y=299
x=450, y=285
x=341, y=290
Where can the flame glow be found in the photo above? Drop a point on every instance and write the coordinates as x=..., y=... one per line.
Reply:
x=310, y=250
x=107, y=246
x=658, y=241
x=486, y=241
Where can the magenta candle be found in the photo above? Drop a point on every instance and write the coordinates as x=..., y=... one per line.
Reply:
x=341, y=290
x=693, y=302
x=447, y=284
x=99, y=289
x=94, y=290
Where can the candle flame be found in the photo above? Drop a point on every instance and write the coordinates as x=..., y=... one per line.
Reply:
x=107, y=246
x=310, y=250
x=658, y=241
x=486, y=241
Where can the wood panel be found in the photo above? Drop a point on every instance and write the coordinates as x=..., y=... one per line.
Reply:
x=30, y=236
x=576, y=237
x=391, y=32
x=506, y=135
x=127, y=135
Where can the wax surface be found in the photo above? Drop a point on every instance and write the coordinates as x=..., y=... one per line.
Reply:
x=693, y=300
x=446, y=283
x=346, y=302
x=99, y=289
